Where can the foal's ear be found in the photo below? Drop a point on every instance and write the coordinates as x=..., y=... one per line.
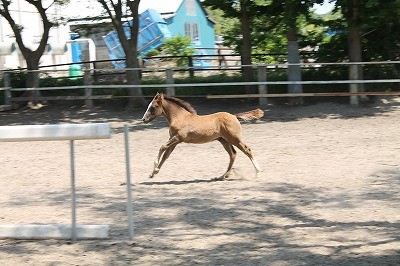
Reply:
x=159, y=97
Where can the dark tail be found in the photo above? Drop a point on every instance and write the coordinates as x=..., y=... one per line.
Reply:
x=251, y=115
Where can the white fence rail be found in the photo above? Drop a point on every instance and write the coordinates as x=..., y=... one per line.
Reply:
x=170, y=86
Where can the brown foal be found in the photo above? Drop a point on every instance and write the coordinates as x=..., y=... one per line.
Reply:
x=186, y=126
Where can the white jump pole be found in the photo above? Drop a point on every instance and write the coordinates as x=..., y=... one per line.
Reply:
x=128, y=184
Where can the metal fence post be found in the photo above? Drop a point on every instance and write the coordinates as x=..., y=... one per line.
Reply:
x=262, y=88
x=88, y=90
x=73, y=192
x=170, y=80
x=128, y=184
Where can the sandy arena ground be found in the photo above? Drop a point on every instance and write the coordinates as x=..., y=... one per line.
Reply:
x=329, y=193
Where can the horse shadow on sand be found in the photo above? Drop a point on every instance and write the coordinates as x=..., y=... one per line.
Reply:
x=254, y=224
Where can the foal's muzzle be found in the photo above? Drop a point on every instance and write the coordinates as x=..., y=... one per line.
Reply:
x=147, y=120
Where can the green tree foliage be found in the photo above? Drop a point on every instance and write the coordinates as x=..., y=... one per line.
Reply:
x=381, y=33
x=379, y=23
x=261, y=21
x=178, y=46
x=222, y=24
x=243, y=11
x=270, y=21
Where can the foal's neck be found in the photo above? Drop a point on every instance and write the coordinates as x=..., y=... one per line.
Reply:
x=173, y=112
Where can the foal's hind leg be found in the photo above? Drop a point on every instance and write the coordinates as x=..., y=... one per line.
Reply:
x=246, y=150
x=232, y=155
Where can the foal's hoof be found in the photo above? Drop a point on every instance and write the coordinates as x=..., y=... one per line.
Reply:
x=155, y=171
x=221, y=178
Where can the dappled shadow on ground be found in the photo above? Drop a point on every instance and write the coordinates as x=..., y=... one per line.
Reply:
x=385, y=185
x=268, y=223
x=332, y=110
x=74, y=113
x=180, y=221
x=53, y=113
x=258, y=224
x=181, y=182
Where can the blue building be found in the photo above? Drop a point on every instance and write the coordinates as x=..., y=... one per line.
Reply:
x=185, y=18
x=158, y=20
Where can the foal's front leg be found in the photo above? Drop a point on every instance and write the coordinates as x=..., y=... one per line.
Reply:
x=166, y=149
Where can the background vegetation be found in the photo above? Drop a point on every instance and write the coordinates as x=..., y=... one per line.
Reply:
x=260, y=31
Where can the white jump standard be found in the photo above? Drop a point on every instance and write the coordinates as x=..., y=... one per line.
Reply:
x=69, y=132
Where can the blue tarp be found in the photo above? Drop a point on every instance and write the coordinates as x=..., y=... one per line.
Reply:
x=152, y=33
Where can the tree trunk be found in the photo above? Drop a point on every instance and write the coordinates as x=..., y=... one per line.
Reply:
x=247, y=71
x=32, y=76
x=294, y=71
x=354, y=49
x=32, y=79
x=131, y=55
x=133, y=78
x=32, y=57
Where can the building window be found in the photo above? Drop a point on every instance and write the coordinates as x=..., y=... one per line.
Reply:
x=192, y=30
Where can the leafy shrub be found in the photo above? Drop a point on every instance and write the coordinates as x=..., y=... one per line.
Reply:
x=178, y=46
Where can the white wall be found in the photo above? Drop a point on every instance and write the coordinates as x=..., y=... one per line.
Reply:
x=25, y=14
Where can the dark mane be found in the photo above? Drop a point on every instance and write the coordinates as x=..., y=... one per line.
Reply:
x=185, y=105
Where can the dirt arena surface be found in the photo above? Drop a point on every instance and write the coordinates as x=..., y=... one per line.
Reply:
x=329, y=193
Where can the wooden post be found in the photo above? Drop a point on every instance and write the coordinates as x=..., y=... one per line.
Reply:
x=36, y=93
x=353, y=75
x=170, y=80
x=7, y=87
x=262, y=88
x=191, y=68
x=95, y=74
x=88, y=90
x=294, y=67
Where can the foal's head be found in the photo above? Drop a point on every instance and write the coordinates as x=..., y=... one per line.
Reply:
x=154, y=109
